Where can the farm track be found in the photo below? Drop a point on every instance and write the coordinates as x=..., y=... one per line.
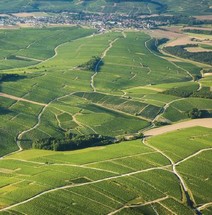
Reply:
x=20, y=135
x=123, y=175
x=205, y=206
x=118, y=158
x=83, y=184
x=20, y=99
x=164, y=58
x=200, y=86
x=99, y=62
x=63, y=164
x=139, y=205
x=149, y=9
x=62, y=44
x=81, y=124
x=59, y=123
x=168, y=209
x=165, y=107
x=124, y=34
x=193, y=155
x=186, y=191
x=29, y=58
x=154, y=132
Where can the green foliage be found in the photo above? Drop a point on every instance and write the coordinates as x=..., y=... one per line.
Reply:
x=155, y=43
x=195, y=113
x=177, y=19
x=93, y=65
x=190, y=91
x=180, y=51
x=198, y=31
x=72, y=143
x=205, y=92
x=184, y=91
x=10, y=77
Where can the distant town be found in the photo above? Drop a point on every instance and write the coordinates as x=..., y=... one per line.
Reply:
x=100, y=21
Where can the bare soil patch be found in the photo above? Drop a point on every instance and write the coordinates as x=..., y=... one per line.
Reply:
x=20, y=99
x=208, y=17
x=207, y=74
x=160, y=33
x=181, y=125
x=197, y=49
x=35, y=14
x=198, y=28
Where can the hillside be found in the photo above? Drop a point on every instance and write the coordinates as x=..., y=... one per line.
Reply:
x=133, y=7
x=105, y=114
x=129, y=181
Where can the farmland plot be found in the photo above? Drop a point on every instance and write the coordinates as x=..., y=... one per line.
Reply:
x=121, y=178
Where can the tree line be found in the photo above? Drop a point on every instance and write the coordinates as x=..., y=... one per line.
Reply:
x=190, y=91
x=180, y=51
x=94, y=64
x=10, y=77
x=198, y=31
x=72, y=142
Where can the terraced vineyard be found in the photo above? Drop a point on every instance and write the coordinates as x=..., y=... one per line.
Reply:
x=46, y=94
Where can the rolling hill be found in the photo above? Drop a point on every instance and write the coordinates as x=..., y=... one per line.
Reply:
x=135, y=7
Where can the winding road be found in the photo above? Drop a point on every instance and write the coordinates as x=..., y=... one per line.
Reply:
x=99, y=62
x=158, y=131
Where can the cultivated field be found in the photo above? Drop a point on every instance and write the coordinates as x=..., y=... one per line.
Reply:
x=116, y=179
x=125, y=95
x=48, y=92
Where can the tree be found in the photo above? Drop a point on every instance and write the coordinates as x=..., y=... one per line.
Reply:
x=195, y=113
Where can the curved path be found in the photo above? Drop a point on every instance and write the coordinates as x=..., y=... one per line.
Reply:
x=20, y=135
x=165, y=107
x=207, y=122
x=157, y=131
x=205, y=206
x=99, y=62
x=164, y=58
x=185, y=189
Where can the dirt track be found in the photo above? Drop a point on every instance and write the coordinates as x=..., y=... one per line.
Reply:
x=191, y=123
x=20, y=99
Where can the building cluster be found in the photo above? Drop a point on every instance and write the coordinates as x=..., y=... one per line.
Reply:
x=99, y=21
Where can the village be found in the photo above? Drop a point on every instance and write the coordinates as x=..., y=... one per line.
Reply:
x=100, y=21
